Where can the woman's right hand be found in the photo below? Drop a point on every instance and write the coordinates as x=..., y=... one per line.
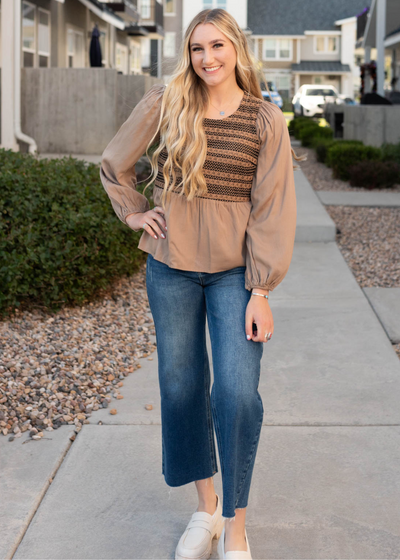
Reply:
x=150, y=221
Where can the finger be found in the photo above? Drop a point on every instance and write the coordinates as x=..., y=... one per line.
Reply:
x=249, y=326
x=149, y=230
x=154, y=224
x=160, y=216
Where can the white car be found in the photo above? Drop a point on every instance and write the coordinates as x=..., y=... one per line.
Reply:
x=310, y=99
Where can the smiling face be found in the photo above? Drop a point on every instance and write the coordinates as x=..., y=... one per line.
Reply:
x=213, y=55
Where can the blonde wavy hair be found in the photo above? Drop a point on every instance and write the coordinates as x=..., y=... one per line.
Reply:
x=184, y=105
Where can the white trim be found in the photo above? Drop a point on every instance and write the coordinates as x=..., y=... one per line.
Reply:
x=352, y=19
x=277, y=48
x=322, y=32
x=326, y=37
x=278, y=37
x=298, y=52
x=325, y=72
x=103, y=15
x=392, y=40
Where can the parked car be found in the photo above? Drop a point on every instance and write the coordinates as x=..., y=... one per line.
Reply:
x=274, y=97
x=310, y=99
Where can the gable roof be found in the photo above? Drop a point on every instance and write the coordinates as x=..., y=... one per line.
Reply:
x=293, y=17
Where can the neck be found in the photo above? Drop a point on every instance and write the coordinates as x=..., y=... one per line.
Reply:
x=223, y=93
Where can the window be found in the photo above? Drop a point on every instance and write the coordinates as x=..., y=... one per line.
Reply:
x=169, y=44
x=211, y=4
x=145, y=44
x=44, y=38
x=278, y=49
x=146, y=9
x=327, y=44
x=28, y=34
x=121, y=58
x=281, y=82
x=75, y=52
x=135, y=57
x=169, y=8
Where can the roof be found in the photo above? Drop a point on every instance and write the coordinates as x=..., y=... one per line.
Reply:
x=287, y=17
x=327, y=66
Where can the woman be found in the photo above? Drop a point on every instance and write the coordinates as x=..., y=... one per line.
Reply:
x=222, y=230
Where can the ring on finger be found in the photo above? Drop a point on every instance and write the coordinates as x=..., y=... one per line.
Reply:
x=268, y=335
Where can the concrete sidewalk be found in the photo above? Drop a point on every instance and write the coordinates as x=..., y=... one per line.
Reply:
x=326, y=482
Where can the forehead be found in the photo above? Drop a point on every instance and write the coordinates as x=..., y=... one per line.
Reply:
x=206, y=32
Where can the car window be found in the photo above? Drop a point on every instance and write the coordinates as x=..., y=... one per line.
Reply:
x=271, y=86
x=320, y=91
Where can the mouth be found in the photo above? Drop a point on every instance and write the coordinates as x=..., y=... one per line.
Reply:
x=212, y=69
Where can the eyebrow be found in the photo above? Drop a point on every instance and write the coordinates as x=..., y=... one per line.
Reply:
x=211, y=42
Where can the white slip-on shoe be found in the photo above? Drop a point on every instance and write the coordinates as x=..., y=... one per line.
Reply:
x=196, y=541
x=233, y=554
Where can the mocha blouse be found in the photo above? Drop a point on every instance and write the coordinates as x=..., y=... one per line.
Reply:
x=248, y=215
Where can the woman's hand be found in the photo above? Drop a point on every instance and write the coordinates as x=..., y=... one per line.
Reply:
x=150, y=221
x=259, y=312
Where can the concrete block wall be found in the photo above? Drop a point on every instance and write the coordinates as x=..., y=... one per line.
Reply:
x=77, y=110
x=373, y=124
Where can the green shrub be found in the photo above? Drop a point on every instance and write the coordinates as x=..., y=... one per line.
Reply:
x=374, y=174
x=323, y=145
x=310, y=135
x=297, y=123
x=342, y=155
x=60, y=241
x=391, y=152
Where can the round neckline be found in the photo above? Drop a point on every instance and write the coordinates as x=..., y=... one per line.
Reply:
x=231, y=115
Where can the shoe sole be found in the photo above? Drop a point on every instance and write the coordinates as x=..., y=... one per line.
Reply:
x=207, y=553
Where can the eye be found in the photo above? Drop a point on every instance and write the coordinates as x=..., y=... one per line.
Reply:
x=195, y=49
x=218, y=45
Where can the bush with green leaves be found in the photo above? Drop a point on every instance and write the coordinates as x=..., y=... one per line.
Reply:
x=297, y=123
x=341, y=156
x=391, y=152
x=323, y=145
x=60, y=240
x=374, y=174
x=310, y=135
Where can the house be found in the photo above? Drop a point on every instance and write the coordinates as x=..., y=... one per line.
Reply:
x=313, y=41
x=238, y=9
x=379, y=30
x=57, y=34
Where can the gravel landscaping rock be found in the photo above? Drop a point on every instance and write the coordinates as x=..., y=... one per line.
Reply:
x=57, y=369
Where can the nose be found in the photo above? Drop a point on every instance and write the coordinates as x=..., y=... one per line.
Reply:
x=207, y=57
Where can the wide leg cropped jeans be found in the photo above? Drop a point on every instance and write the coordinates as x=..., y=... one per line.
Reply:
x=180, y=301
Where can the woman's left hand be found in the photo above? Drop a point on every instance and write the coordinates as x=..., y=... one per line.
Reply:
x=259, y=312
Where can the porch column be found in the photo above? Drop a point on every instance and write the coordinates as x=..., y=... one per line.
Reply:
x=380, y=38
x=367, y=77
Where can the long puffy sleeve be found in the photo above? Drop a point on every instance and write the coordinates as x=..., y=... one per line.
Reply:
x=117, y=170
x=271, y=226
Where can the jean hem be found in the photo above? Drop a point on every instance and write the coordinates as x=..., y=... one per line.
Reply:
x=189, y=479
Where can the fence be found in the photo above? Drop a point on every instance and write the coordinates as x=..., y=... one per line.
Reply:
x=77, y=110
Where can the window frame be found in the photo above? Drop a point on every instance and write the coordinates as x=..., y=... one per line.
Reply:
x=171, y=34
x=79, y=31
x=148, y=7
x=169, y=14
x=43, y=53
x=277, y=48
x=35, y=34
x=326, y=41
x=214, y=5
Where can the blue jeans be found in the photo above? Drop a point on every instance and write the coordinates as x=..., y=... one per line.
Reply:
x=179, y=301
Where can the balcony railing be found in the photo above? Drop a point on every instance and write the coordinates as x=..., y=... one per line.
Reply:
x=152, y=11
